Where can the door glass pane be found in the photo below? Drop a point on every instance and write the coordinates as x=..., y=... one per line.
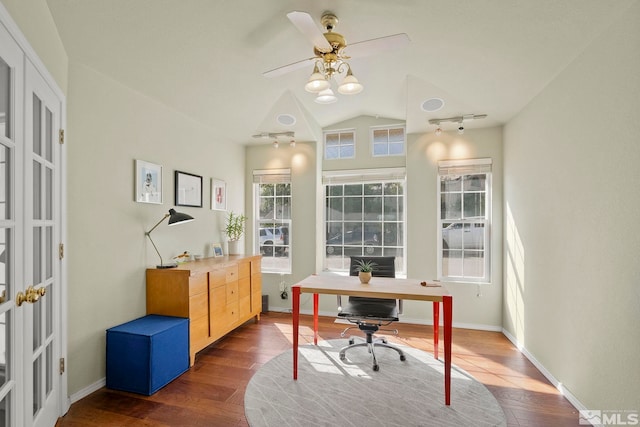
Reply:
x=5, y=264
x=5, y=419
x=49, y=254
x=37, y=385
x=5, y=182
x=47, y=301
x=48, y=119
x=49, y=193
x=49, y=373
x=5, y=99
x=37, y=255
x=37, y=191
x=37, y=126
x=37, y=325
x=4, y=349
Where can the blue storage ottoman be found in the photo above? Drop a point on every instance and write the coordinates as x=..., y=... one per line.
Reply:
x=148, y=353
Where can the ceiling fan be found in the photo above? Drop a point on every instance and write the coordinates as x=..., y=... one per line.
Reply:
x=331, y=51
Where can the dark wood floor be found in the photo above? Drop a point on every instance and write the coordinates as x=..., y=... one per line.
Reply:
x=211, y=393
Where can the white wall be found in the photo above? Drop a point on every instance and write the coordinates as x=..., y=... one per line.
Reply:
x=110, y=125
x=572, y=294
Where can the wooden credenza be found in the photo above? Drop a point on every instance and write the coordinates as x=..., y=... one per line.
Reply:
x=216, y=294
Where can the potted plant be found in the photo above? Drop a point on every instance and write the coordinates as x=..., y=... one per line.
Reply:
x=234, y=228
x=365, y=268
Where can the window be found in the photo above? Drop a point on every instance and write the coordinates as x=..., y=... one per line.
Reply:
x=272, y=189
x=340, y=144
x=388, y=141
x=364, y=215
x=464, y=220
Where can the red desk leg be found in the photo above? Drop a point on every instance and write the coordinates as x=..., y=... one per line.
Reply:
x=436, y=327
x=447, y=302
x=315, y=319
x=296, y=323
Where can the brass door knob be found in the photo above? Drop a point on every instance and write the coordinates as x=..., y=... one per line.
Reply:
x=30, y=295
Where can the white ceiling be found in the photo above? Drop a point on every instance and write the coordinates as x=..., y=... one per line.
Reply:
x=205, y=58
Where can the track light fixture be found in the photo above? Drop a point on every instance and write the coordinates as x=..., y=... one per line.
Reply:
x=457, y=119
x=275, y=135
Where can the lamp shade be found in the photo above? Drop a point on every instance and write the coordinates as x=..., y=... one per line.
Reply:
x=178, y=217
x=350, y=85
x=326, y=97
x=316, y=82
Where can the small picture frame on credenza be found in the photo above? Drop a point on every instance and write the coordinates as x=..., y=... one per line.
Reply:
x=217, y=250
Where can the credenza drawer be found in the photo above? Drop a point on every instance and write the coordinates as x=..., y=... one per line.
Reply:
x=232, y=292
x=232, y=273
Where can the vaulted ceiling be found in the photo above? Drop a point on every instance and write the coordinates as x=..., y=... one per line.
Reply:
x=205, y=58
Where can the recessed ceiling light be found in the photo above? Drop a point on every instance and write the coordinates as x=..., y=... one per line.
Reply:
x=432, y=104
x=286, y=119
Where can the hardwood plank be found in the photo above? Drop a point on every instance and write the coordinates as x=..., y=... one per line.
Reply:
x=211, y=393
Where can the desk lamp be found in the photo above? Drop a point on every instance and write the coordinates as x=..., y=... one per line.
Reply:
x=174, y=218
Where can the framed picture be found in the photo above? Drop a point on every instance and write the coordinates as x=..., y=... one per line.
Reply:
x=188, y=189
x=218, y=195
x=148, y=182
x=217, y=250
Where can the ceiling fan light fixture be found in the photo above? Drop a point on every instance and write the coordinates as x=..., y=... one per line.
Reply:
x=326, y=97
x=350, y=85
x=317, y=82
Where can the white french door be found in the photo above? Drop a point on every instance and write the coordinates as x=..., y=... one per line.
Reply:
x=31, y=382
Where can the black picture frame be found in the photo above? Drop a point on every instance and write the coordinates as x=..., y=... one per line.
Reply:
x=188, y=189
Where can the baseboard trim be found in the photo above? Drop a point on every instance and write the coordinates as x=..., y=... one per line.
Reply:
x=553, y=380
x=88, y=390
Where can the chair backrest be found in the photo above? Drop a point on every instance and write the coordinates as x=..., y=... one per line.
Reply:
x=385, y=265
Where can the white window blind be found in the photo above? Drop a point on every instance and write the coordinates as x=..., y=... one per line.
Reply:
x=363, y=176
x=464, y=167
x=272, y=176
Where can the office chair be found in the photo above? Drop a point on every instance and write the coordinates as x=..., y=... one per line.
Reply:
x=369, y=314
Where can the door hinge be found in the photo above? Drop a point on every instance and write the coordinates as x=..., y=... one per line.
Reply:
x=61, y=250
x=61, y=365
x=61, y=136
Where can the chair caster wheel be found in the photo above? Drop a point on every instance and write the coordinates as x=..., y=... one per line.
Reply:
x=376, y=368
x=343, y=357
x=402, y=358
x=384, y=341
x=351, y=341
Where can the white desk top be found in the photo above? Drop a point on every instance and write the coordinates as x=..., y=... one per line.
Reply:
x=378, y=287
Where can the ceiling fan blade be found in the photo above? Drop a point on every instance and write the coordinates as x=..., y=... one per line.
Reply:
x=305, y=24
x=287, y=68
x=373, y=46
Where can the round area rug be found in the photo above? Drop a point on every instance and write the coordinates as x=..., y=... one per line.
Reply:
x=331, y=392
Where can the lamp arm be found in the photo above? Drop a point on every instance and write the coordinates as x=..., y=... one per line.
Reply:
x=148, y=233
x=154, y=247
x=159, y=222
